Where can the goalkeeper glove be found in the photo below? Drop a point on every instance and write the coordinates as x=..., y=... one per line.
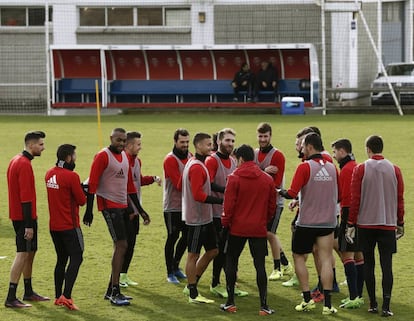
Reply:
x=88, y=216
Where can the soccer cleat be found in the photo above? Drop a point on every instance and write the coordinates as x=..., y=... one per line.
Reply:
x=16, y=303
x=199, y=299
x=119, y=300
x=240, y=293
x=387, y=313
x=288, y=269
x=186, y=291
x=231, y=308
x=305, y=306
x=126, y=281
x=373, y=308
x=275, y=275
x=171, y=278
x=351, y=304
x=345, y=300
x=35, y=297
x=63, y=301
x=125, y=297
x=219, y=291
x=266, y=311
x=317, y=296
x=327, y=311
x=361, y=300
x=292, y=282
x=180, y=274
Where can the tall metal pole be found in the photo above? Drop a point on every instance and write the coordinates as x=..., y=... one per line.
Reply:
x=323, y=40
x=47, y=41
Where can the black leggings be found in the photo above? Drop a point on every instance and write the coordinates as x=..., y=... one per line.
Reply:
x=258, y=250
x=68, y=246
x=174, y=250
x=385, y=240
x=132, y=232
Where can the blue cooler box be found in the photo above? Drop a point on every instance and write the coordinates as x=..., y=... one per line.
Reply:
x=293, y=106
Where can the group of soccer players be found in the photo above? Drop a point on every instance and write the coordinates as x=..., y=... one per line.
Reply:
x=194, y=188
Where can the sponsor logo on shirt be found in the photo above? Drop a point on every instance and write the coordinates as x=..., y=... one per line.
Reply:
x=52, y=183
x=120, y=174
x=322, y=176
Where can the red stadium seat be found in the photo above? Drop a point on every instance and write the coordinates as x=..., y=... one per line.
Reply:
x=80, y=64
x=196, y=64
x=128, y=64
x=163, y=65
x=296, y=63
x=228, y=62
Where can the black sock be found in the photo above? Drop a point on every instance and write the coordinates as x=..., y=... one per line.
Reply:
x=193, y=290
x=386, y=303
x=283, y=258
x=28, y=290
x=276, y=264
x=334, y=276
x=327, y=295
x=306, y=296
x=115, y=290
x=11, y=295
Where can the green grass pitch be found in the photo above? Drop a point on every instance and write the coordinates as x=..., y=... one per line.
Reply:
x=154, y=298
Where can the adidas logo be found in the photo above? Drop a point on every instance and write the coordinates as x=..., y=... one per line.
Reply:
x=52, y=183
x=322, y=175
x=120, y=173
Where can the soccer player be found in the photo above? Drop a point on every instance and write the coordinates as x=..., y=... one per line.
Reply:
x=175, y=244
x=272, y=161
x=317, y=182
x=132, y=148
x=351, y=256
x=249, y=204
x=198, y=215
x=221, y=164
x=22, y=213
x=377, y=209
x=111, y=180
x=65, y=195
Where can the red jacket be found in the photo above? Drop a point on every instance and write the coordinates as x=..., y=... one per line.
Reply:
x=249, y=201
x=65, y=195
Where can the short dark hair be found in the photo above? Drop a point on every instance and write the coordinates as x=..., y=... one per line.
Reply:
x=343, y=143
x=315, y=140
x=316, y=130
x=375, y=144
x=244, y=151
x=182, y=132
x=264, y=128
x=64, y=151
x=305, y=131
x=34, y=135
x=133, y=135
x=118, y=130
x=199, y=137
